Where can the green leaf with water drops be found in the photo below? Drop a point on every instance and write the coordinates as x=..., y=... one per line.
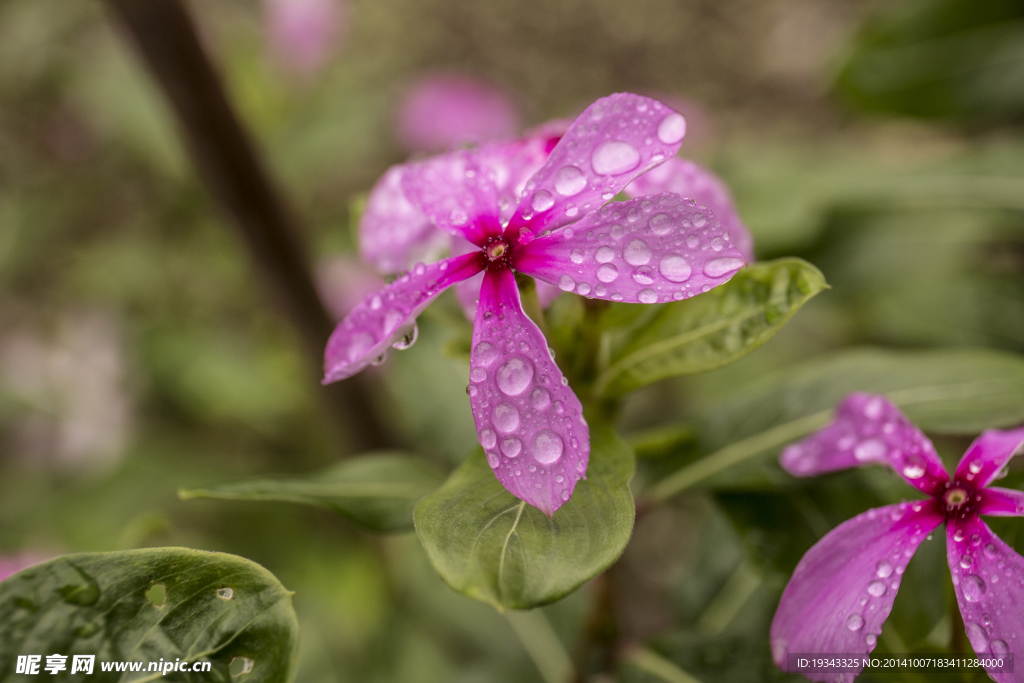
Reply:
x=491, y=546
x=708, y=331
x=376, y=491
x=175, y=604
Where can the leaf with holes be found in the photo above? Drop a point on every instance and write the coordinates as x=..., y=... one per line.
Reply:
x=226, y=616
x=376, y=491
x=491, y=546
x=710, y=330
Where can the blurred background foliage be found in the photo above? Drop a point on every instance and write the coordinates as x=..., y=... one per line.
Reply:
x=139, y=352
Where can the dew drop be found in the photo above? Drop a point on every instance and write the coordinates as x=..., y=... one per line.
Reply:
x=614, y=157
x=870, y=639
x=583, y=288
x=493, y=460
x=540, y=398
x=647, y=296
x=672, y=128
x=547, y=447
x=692, y=241
x=478, y=374
x=576, y=256
x=722, y=266
x=976, y=634
x=959, y=535
x=966, y=561
x=999, y=647
x=872, y=449
x=505, y=418
x=883, y=569
x=913, y=470
x=604, y=254
x=514, y=376
x=407, y=338
x=973, y=587
x=607, y=273
x=637, y=253
x=975, y=467
x=488, y=438
x=990, y=551
x=876, y=588
x=873, y=409
x=569, y=181
x=660, y=224
x=675, y=268
x=644, y=275
x=511, y=446
x=855, y=622
x=566, y=283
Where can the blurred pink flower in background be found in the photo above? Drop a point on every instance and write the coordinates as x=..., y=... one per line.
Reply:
x=444, y=110
x=303, y=34
x=12, y=564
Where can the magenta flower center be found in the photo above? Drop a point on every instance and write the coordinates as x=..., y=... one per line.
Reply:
x=959, y=500
x=497, y=251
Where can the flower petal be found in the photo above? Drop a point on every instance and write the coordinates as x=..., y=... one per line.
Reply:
x=988, y=578
x=988, y=455
x=868, y=428
x=511, y=163
x=365, y=334
x=844, y=587
x=613, y=141
x=529, y=421
x=393, y=232
x=650, y=249
x=695, y=182
x=999, y=502
x=456, y=194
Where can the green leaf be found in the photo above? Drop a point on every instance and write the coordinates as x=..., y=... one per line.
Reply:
x=491, y=546
x=713, y=329
x=213, y=607
x=961, y=391
x=377, y=491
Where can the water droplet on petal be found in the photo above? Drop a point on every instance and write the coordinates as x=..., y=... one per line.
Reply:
x=873, y=409
x=870, y=639
x=876, y=588
x=583, y=288
x=973, y=587
x=576, y=256
x=505, y=418
x=976, y=634
x=493, y=460
x=674, y=268
x=547, y=447
x=607, y=273
x=604, y=254
x=660, y=224
x=959, y=535
x=514, y=376
x=542, y=200
x=488, y=438
x=999, y=647
x=990, y=551
x=872, y=449
x=855, y=622
x=883, y=569
x=966, y=561
x=637, y=253
x=566, y=283
x=614, y=157
x=407, y=338
x=569, y=181
x=511, y=446
x=913, y=470
x=540, y=398
x=722, y=266
x=672, y=128
x=478, y=374
x=647, y=296
x=975, y=467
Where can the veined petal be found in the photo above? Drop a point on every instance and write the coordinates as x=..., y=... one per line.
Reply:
x=844, y=587
x=647, y=250
x=988, y=455
x=529, y=421
x=613, y=141
x=456, y=193
x=393, y=232
x=868, y=428
x=988, y=578
x=999, y=502
x=695, y=182
x=367, y=331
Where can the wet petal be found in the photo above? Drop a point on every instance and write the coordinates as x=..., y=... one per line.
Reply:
x=511, y=163
x=646, y=250
x=365, y=334
x=393, y=233
x=695, y=182
x=528, y=421
x=999, y=502
x=868, y=428
x=988, y=578
x=844, y=587
x=988, y=455
x=456, y=193
x=616, y=139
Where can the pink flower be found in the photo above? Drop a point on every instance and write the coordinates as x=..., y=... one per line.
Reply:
x=844, y=587
x=303, y=33
x=445, y=110
x=647, y=250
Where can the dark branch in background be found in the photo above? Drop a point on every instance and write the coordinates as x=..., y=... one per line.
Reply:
x=227, y=161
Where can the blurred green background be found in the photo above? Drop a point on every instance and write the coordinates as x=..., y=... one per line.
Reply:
x=139, y=352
